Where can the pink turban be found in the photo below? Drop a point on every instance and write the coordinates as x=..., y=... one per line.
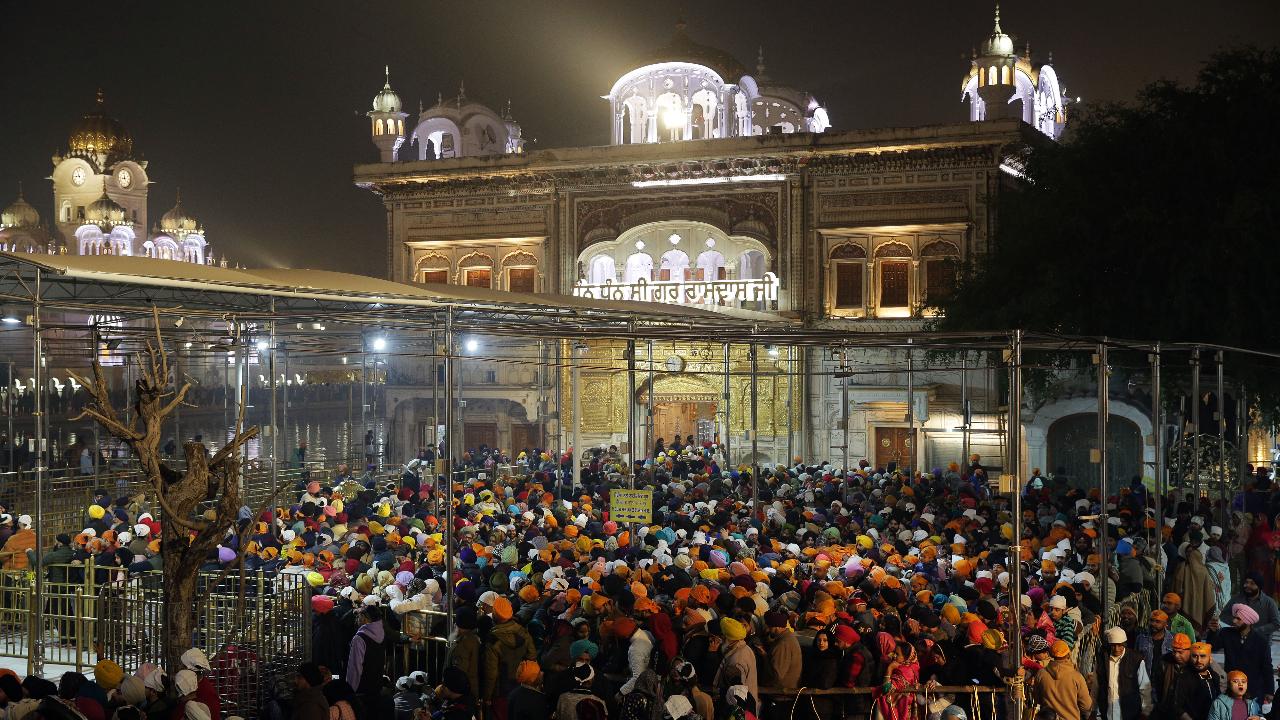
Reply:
x=1247, y=615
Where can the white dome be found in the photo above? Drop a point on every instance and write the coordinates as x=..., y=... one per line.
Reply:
x=387, y=101
x=19, y=214
x=998, y=43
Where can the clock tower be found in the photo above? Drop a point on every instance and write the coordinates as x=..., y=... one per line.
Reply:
x=99, y=159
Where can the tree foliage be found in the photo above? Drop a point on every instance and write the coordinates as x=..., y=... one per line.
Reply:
x=1154, y=220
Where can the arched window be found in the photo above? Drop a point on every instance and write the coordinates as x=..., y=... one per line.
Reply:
x=377, y=126
x=674, y=265
x=671, y=117
x=601, y=270
x=848, y=269
x=991, y=75
x=941, y=267
x=626, y=124
x=710, y=266
x=751, y=265
x=1004, y=75
x=639, y=267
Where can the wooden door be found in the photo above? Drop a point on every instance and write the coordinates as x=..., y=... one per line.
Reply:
x=523, y=437
x=478, y=434
x=670, y=419
x=893, y=446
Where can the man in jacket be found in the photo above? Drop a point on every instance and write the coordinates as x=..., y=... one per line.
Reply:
x=1261, y=603
x=1060, y=688
x=639, y=650
x=509, y=643
x=367, y=656
x=738, y=663
x=1194, y=688
x=467, y=649
x=1123, y=681
x=785, y=660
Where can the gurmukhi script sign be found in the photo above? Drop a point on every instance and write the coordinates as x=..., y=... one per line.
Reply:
x=686, y=292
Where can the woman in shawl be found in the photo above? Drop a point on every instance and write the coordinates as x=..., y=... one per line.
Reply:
x=638, y=704
x=1216, y=562
x=821, y=670
x=903, y=671
x=1193, y=583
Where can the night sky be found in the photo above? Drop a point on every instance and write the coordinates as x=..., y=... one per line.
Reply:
x=256, y=110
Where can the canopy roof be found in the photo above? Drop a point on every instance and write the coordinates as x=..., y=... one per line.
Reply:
x=349, y=307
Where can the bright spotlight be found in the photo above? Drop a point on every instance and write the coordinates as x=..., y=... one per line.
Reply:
x=262, y=346
x=772, y=350
x=379, y=344
x=471, y=345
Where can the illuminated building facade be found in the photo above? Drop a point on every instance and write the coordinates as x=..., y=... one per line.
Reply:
x=100, y=186
x=720, y=189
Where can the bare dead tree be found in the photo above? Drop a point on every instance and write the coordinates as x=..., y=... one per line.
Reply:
x=187, y=534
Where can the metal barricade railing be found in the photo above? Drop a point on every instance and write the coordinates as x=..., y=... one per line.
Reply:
x=91, y=612
x=17, y=587
x=421, y=645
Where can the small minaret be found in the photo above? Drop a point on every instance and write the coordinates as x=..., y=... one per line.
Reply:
x=386, y=122
x=996, y=71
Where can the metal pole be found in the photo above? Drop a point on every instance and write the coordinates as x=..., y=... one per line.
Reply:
x=9, y=405
x=275, y=442
x=364, y=402
x=1104, y=411
x=964, y=406
x=575, y=389
x=911, y=408
x=447, y=466
x=631, y=411
x=284, y=421
x=1157, y=425
x=435, y=397
x=1195, y=429
x=1242, y=434
x=791, y=398
x=1015, y=455
x=755, y=426
x=652, y=440
x=1222, y=448
x=37, y=638
x=844, y=407
x=542, y=398
x=728, y=427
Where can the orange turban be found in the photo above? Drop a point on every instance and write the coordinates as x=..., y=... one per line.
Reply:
x=1181, y=642
x=502, y=609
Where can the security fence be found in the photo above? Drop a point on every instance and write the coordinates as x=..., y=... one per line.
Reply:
x=422, y=645
x=254, y=639
x=68, y=494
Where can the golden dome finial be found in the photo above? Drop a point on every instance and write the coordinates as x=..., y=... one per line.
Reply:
x=998, y=18
x=102, y=98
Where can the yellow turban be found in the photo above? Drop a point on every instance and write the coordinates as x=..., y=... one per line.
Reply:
x=732, y=629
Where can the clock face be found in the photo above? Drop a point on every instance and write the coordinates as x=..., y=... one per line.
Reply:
x=77, y=176
x=675, y=363
x=124, y=177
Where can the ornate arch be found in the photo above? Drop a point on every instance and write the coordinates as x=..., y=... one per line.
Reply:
x=893, y=249
x=476, y=259
x=848, y=251
x=518, y=258
x=940, y=248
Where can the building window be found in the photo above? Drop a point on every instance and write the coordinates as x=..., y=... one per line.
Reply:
x=895, y=289
x=940, y=280
x=1004, y=75
x=602, y=270
x=848, y=280
x=520, y=279
x=438, y=277
x=675, y=265
x=479, y=277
